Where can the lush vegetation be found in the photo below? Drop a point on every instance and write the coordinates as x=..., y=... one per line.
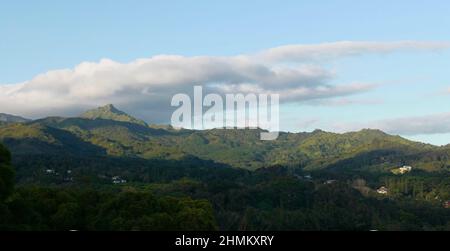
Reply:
x=109, y=171
x=6, y=174
x=368, y=149
x=189, y=195
x=75, y=208
x=38, y=208
x=109, y=112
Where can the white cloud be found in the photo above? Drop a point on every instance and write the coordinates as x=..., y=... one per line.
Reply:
x=328, y=51
x=145, y=86
x=345, y=101
x=407, y=126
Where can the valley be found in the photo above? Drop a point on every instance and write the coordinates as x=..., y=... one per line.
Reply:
x=225, y=179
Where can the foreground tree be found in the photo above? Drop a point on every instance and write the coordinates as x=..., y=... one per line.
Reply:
x=6, y=174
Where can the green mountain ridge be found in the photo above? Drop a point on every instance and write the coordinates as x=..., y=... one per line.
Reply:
x=108, y=131
x=109, y=112
x=105, y=174
x=8, y=118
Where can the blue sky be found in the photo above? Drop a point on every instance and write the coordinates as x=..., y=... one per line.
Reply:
x=39, y=36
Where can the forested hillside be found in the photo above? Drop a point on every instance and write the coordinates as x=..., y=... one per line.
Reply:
x=110, y=132
x=109, y=171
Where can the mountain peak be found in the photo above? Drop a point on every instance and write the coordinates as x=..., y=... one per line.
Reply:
x=109, y=107
x=374, y=132
x=110, y=112
x=8, y=118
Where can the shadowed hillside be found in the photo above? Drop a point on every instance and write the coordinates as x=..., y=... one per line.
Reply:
x=109, y=131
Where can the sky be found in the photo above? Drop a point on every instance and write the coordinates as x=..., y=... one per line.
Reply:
x=338, y=65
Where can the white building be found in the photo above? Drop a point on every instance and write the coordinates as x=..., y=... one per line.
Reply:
x=118, y=180
x=405, y=169
x=382, y=190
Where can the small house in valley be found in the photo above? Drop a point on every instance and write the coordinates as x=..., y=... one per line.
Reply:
x=382, y=190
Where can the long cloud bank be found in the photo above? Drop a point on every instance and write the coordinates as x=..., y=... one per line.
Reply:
x=407, y=126
x=146, y=86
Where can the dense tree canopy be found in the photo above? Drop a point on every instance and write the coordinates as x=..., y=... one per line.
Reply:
x=6, y=173
x=108, y=171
